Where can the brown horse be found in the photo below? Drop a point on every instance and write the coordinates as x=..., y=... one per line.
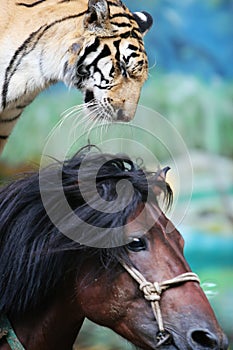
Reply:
x=143, y=290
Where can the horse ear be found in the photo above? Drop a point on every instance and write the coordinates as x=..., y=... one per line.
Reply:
x=144, y=21
x=97, y=15
x=161, y=176
x=163, y=173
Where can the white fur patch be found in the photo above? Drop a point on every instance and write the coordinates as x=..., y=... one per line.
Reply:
x=142, y=16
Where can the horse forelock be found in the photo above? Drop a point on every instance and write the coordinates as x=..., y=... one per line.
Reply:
x=35, y=256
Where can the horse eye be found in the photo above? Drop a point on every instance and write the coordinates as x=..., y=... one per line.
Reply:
x=137, y=244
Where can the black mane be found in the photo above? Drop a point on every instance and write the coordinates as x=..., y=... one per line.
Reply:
x=35, y=257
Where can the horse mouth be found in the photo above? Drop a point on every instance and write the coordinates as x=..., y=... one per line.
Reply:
x=162, y=347
x=166, y=343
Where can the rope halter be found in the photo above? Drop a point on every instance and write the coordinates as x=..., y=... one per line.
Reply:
x=153, y=291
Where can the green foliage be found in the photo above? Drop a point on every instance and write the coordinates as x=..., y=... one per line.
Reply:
x=202, y=114
x=29, y=135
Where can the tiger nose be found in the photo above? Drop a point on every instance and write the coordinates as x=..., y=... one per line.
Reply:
x=201, y=339
x=122, y=116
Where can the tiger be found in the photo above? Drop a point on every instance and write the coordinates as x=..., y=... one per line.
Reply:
x=96, y=46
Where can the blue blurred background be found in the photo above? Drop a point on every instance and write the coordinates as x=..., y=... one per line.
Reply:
x=190, y=49
x=192, y=37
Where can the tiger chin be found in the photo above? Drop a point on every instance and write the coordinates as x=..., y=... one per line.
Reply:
x=95, y=46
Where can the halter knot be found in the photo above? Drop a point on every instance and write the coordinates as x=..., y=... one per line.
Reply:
x=152, y=291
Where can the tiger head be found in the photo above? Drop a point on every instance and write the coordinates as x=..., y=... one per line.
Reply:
x=109, y=64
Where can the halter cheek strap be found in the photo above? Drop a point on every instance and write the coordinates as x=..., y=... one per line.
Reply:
x=7, y=332
x=153, y=291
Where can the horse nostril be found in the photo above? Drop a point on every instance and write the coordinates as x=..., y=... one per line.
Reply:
x=204, y=339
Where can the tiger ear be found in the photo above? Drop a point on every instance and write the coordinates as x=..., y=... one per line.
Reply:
x=97, y=15
x=144, y=21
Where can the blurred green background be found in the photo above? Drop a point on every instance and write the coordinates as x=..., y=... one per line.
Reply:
x=190, y=83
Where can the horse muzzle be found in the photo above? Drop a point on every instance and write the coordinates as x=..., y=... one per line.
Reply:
x=207, y=337
x=196, y=339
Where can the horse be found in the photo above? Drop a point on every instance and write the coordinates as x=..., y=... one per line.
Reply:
x=140, y=285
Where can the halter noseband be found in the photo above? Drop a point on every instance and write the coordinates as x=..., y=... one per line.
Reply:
x=153, y=291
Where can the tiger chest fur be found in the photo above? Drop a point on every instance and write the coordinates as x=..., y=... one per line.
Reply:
x=93, y=45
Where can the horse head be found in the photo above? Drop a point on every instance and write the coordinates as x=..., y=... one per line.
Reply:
x=152, y=298
x=157, y=254
x=140, y=286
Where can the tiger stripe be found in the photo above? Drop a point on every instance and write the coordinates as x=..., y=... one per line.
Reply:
x=10, y=120
x=30, y=5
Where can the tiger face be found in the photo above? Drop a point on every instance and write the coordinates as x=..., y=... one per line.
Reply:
x=110, y=66
x=93, y=45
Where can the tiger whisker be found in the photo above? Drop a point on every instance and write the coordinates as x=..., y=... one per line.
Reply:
x=78, y=119
x=75, y=111
x=101, y=128
x=88, y=119
x=71, y=111
x=93, y=123
x=153, y=65
x=86, y=116
x=76, y=108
